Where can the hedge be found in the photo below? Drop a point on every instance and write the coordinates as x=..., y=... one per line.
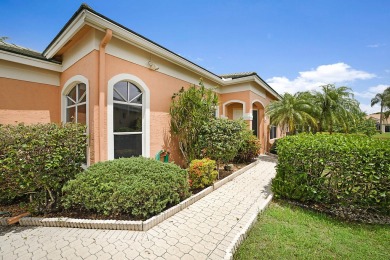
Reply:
x=39, y=159
x=137, y=186
x=347, y=170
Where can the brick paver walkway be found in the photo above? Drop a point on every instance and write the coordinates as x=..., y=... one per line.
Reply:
x=204, y=230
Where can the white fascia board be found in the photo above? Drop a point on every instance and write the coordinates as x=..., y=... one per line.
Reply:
x=22, y=59
x=70, y=31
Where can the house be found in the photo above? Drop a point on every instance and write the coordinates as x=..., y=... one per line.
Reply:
x=385, y=122
x=119, y=83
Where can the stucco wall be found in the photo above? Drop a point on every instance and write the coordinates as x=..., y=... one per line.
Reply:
x=28, y=102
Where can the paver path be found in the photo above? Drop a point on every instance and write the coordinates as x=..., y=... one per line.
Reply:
x=204, y=230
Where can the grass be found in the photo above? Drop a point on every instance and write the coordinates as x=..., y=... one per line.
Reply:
x=287, y=232
x=382, y=136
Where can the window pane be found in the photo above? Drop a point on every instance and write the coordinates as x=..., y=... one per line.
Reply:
x=127, y=118
x=71, y=114
x=134, y=91
x=127, y=145
x=82, y=114
x=71, y=96
x=121, y=88
x=82, y=89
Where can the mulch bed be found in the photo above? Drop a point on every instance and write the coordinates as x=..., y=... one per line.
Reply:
x=17, y=208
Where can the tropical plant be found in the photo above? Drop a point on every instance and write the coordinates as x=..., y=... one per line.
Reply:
x=383, y=99
x=190, y=110
x=335, y=106
x=292, y=110
x=202, y=173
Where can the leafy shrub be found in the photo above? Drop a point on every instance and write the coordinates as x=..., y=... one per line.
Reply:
x=189, y=110
x=136, y=186
x=202, y=173
x=250, y=147
x=39, y=159
x=348, y=170
x=220, y=139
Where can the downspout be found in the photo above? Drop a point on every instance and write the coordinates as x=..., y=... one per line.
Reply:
x=103, y=96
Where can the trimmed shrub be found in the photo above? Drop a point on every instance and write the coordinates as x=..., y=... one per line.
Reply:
x=250, y=147
x=136, y=186
x=202, y=173
x=347, y=170
x=39, y=159
x=220, y=139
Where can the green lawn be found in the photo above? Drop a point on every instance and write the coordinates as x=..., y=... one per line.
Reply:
x=286, y=232
x=382, y=136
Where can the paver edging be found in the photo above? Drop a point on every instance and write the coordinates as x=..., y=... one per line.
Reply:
x=232, y=248
x=129, y=225
x=3, y=221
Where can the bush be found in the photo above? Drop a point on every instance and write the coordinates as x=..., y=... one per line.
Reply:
x=39, y=159
x=347, y=170
x=250, y=147
x=202, y=173
x=274, y=147
x=220, y=139
x=136, y=186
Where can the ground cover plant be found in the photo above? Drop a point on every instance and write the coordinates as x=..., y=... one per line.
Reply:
x=37, y=160
x=347, y=172
x=138, y=187
x=287, y=232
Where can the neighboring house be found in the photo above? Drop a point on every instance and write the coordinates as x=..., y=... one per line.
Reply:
x=385, y=122
x=119, y=83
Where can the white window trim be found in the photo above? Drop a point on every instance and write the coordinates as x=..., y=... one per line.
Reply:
x=145, y=113
x=68, y=86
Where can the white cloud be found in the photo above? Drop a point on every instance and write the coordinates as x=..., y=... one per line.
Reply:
x=376, y=45
x=370, y=110
x=372, y=91
x=323, y=74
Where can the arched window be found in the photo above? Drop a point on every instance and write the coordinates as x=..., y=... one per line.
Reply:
x=76, y=104
x=127, y=119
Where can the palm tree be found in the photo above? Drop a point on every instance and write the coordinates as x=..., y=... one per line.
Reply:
x=336, y=106
x=383, y=99
x=291, y=111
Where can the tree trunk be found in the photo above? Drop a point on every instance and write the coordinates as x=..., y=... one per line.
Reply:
x=381, y=119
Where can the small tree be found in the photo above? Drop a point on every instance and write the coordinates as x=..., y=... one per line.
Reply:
x=220, y=139
x=190, y=109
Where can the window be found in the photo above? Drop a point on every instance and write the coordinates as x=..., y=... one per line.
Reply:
x=127, y=120
x=272, y=132
x=387, y=128
x=76, y=104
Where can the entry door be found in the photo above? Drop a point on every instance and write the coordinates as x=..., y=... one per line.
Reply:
x=255, y=122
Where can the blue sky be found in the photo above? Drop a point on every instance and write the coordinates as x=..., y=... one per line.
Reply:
x=294, y=45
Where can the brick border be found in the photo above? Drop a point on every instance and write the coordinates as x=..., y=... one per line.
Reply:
x=239, y=238
x=127, y=224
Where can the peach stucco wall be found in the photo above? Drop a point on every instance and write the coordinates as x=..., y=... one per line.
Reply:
x=161, y=87
x=87, y=67
x=28, y=102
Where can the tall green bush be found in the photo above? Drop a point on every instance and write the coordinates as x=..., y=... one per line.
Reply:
x=136, y=186
x=39, y=159
x=190, y=109
x=220, y=139
x=348, y=170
